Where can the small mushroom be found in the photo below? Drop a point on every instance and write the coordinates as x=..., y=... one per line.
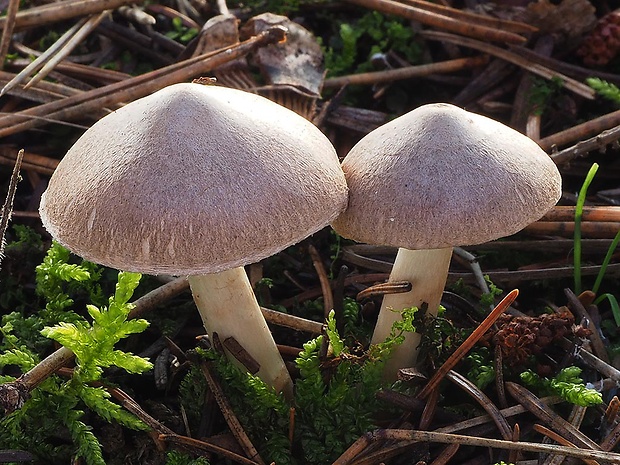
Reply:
x=198, y=180
x=436, y=178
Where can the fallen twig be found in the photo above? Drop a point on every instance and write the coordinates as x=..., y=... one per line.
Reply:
x=413, y=436
x=7, y=31
x=484, y=401
x=441, y=21
x=549, y=417
x=7, y=208
x=406, y=72
x=231, y=419
x=569, y=83
x=466, y=346
x=135, y=87
x=60, y=11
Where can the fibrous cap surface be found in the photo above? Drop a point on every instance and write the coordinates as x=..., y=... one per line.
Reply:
x=193, y=179
x=440, y=176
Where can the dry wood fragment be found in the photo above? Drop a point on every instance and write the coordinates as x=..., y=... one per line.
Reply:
x=133, y=88
x=60, y=11
x=43, y=57
x=575, y=418
x=569, y=83
x=409, y=437
x=556, y=437
x=549, y=417
x=440, y=21
x=7, y=32
x=612, y=438
x=408, y=72
x=484, y=401
x=578, y=309
x=231, y=419
x=589, y=213
x=583, y=147
x=77, y=70
x=583, y=131
x=201, y=446
x=517, y=27
x=67, y=48
x=319, y=267
x=466, y=346
x=591, y=229
x=7, y=207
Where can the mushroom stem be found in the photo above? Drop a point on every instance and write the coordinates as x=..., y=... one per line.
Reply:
x=427, y=271
x=228, y=307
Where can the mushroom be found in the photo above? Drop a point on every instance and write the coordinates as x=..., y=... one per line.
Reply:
x=198, y=180
x=432, y=179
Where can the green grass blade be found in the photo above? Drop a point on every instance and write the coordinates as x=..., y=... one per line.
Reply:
x=601, y=273
x=581, y=199
x=613, y=303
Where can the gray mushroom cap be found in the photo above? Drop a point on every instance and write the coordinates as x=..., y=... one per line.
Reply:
x=193, y=179
x=440, y=176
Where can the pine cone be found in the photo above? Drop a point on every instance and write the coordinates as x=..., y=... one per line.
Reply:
x=520, y=337
x=602, y=44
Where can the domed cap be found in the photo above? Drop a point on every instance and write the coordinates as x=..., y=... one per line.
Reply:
x=193, y=179
x=440, y=176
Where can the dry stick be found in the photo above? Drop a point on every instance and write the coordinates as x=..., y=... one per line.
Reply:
x=590, y=229
x=557, y=438
x=7, y=32
x=328, y=297
x=576, y=307
x=407, y=72
x=7, y=208
x=291, y=321
x=594, y=362
x=512, y=57
x=413, y=436
x=373, y=458
x=178, y=285
x=581, y=131
x=498, y=365
x=54, y=89
x=581, y=148
x=138, y=86
x=611, y=412
x=611, y=440
x=54, y=12
x=559, y=424
x=575, y=418
x=40, y=60
x=471, y=340
x=65, y=50
x=514, y=455
x=381, y=289
x=351, y=255
x=483, y=20
x=506, y=413
x=428, y=413
x=231, y=420
x=79, y=70
x=590, y=213
x=132, y=406
x=204, y=446
x=446, y=454
x=484, y=401
x=429, y=18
